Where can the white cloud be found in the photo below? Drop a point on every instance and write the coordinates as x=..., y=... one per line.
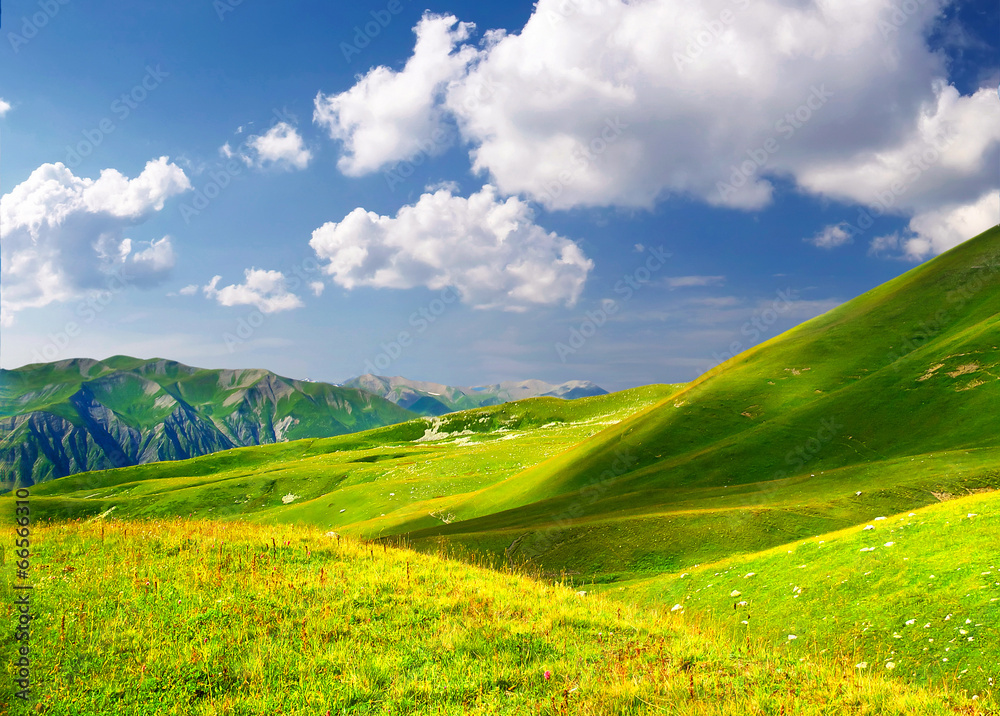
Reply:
x=316, y=287
x=608, y=102
x=281, y=146
x=4, y=107
x=489, y=249
x=63, y=235
x=688, y=281
x=933, y=232
x=831, y=237
x=189, y=290
x=390, y=116
x=265, y=290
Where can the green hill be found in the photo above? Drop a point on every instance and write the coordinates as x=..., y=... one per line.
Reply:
x=193, y=617
x=916, y=594
x=865, y=410
x=61, y=418
x=368, y=483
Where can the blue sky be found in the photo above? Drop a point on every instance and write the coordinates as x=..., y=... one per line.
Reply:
x=468, y=193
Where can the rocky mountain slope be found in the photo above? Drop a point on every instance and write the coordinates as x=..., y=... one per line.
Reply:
x=76, y=415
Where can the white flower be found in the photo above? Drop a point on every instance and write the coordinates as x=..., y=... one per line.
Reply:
x=749, y=574
x=910, y=621
x=862, y=665
x=869, y=527
x=858, y=492
x=791, y=637
x=676, y=607
x=889, y=544
x=890, y=665
x=879, y=518
x=741, y=604
x=734, y=593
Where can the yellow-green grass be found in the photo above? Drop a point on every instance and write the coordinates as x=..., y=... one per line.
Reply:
x=367, y=483
x=916, y=594
x=199, y=617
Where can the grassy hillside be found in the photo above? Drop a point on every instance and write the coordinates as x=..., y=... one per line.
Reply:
x=57, y=419
x=369, y=483
x=916, y=594
x=894, y=395
x=191, y=617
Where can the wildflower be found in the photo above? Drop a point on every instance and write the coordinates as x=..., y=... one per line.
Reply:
x=749, y=574
x=879, y=518
x=792, y=637
x=548, y=674
x=862, y=665
x=910, y=621
x=869, y=527
x=858, y=492
x=741, y=603
x=676, y=607
x=890, y=665
x=734, y=593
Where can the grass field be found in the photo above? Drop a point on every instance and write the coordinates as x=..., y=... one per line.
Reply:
x=196, y=617
x=916, y=594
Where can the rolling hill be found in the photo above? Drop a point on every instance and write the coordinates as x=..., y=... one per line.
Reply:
x=868, y=409
x=61, y=418
x=437, y=399
x=193, y=616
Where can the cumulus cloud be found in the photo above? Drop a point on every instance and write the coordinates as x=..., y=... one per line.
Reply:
x=831, y=237
x=267, y=291
x=933, y=232
x=488, y=249
x=615, y=103
x=189, y=290
x=391, y=116
x=63, y=235
x=281, y=146
x=4, y=107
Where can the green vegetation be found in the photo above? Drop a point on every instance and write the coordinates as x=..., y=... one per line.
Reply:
x=915, y=594
x=191, y=617
x=894, y=394
x=77, y=415
x=376, y=482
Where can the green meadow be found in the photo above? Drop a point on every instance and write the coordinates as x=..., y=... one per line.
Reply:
x=808, y=528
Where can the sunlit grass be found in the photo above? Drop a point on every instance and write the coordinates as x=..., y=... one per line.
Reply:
x=192, y=617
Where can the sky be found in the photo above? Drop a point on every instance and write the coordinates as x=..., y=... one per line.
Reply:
x=467, y=193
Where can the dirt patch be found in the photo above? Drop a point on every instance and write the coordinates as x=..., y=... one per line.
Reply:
x=964, y=370
x=931, y=371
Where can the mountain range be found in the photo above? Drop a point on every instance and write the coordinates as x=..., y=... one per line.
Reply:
x=78, y=415
x=437, y=399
